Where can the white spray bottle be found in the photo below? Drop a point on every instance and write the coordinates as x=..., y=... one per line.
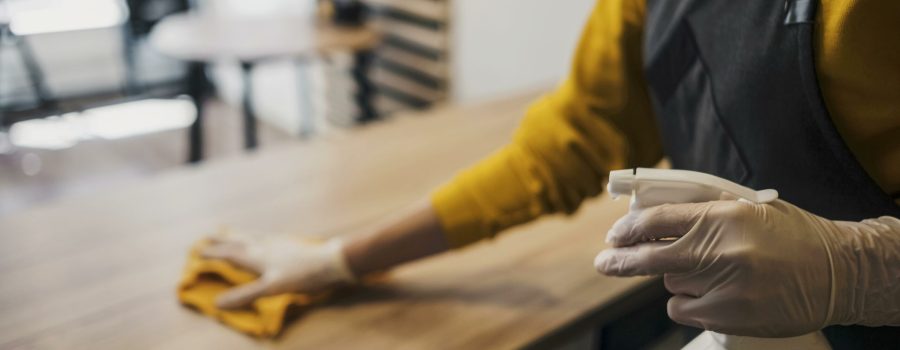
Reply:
x=651, y=187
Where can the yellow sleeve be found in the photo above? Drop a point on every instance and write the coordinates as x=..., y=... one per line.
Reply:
x=600, y=119
x=859, y=76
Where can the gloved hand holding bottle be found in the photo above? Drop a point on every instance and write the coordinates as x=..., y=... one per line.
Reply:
x=765, y=270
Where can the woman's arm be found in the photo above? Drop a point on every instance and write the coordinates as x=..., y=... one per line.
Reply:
x=599, y=120
x=290, y=264
x=415, y=234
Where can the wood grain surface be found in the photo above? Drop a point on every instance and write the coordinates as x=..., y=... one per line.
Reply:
x=99, y=271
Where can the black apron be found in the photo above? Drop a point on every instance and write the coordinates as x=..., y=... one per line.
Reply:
x=734, y=89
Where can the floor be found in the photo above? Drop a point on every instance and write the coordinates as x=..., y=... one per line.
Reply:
x=30, y=176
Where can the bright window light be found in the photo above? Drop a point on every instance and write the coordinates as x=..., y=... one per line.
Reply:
x=48, y=16
x=111, y=122
x=47, y=133
x=139, y=117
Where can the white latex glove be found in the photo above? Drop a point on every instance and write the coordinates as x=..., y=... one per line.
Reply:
x=285, y=264
x=764, y=270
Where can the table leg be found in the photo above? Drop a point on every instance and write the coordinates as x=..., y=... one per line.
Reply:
x=307, y=112
x=362, y=61
x=250, y=135
x=197, y=89
x=34, y=72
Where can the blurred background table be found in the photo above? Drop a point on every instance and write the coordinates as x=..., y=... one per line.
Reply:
x=100, y=271
x=203, y=39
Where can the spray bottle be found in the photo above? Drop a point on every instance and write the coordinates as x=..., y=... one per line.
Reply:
x=651, y=187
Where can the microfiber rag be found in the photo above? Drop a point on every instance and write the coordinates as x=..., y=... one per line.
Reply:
x=204, y=279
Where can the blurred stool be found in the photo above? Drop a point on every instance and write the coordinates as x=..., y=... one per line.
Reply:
x=201, y=39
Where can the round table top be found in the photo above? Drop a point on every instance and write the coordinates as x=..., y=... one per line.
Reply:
x=196, y=37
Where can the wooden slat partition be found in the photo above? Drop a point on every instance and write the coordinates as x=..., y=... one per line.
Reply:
x=429, y=9
x=428, y=38
x=389, y=105
x=409, y=87
x=412, y=64
x=433, y=68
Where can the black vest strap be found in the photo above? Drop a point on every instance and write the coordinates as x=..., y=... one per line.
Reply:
x=800, y=11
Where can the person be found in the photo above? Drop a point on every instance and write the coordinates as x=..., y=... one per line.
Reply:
x=797, y=96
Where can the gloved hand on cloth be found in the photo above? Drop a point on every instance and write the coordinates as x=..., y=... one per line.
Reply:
x=250, y=283
x=763, y=270
x=284, y=264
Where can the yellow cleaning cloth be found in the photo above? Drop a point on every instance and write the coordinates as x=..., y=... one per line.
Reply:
x=204, y=279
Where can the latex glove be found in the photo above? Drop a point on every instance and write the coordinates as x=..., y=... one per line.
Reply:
x=285, y=264
x=765, y=270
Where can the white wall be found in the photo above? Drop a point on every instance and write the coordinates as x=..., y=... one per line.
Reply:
x=505, y=46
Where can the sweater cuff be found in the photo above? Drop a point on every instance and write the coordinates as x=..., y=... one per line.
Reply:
x=459, y=215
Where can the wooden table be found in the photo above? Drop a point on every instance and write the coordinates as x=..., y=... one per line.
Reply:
x=99, y=271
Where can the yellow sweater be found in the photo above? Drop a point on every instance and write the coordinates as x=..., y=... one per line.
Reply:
x=600, y=118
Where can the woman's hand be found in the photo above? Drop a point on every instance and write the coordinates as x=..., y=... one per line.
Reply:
x=769, y=270
x=285, y=264
x=289, y=264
